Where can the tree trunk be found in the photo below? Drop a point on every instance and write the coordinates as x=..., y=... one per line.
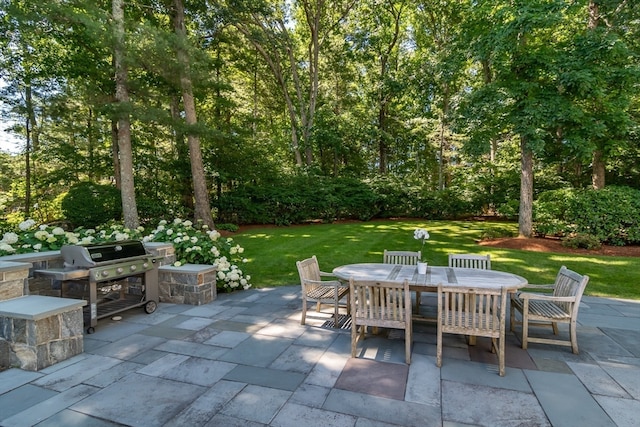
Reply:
x=598, y=170
x=129, y=207
x=598, y=160
x=30, y=146
x=200, y=191
x=525, y=221
x=114, y=154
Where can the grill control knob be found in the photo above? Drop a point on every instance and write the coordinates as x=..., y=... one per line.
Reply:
x=145, y=265
x=119, y=270
x=105, y=273
x=133, y=267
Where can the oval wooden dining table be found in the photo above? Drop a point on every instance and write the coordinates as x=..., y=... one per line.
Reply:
x=428, y=282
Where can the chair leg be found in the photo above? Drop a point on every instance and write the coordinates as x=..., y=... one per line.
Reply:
x=525, y=331
x=574, y=337
x=439, y=347
x=501, y=356
x=554, y=325
x=407, y=344
x=336, y=315
x=304, y=311
x=418, y=298
x=354, y=339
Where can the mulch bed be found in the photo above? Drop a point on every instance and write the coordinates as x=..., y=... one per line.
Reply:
x=539, y=244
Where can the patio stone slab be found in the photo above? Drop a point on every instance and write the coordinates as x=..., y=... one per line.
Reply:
x=375, y=378
x=258, y=350
x=597, y=380
x=423, y=382
x=628, y=376
x=482, y=374
x=391, y=411
x=14, y=378
x=469, y=404
x=629, y=341
x=129, y=347
x=624, y=412
x=49, y=407
x=228, y=339
x=566, y=401
x=293, y=415
x=256, y=403
x=163, y=399
x=298, y=358
x=77, y=373
x=73, y=418
x=265, y=377
x=22, y=398
x=205, y=407
x=203, y=351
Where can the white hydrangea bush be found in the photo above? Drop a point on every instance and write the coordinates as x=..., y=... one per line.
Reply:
x=194, y=244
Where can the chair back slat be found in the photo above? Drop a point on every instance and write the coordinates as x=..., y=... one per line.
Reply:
x=377, y=303
x=309, y=269
x=401, y=257
x=481, y=262
x=569, y=284
x=476, y=310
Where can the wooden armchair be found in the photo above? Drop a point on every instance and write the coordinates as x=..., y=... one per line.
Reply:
x=401, y=257
x=380, y=304
x=474, y=312
x=550, y=309
x=482, y=262
x=315, y=290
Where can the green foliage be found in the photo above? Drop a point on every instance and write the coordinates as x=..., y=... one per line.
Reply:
x=307, y=198
x=581, y=241
x=227, y=227
x=90, y=204
x=610, y=215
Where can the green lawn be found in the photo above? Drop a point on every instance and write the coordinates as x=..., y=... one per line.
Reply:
x=272, y=252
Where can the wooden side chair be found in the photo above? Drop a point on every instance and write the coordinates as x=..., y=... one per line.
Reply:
x=319, y=291
x=380, y=304
x=482, y=262
x=401, y=257
x=561, y=306
x=474, y=312
x=404, y=258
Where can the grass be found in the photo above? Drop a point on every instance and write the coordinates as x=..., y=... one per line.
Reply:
x=273, y=251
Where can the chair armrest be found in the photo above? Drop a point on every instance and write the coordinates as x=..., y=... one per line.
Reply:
x=529, y=295
x=327, y=283
x=325, y=274
x=529, y=286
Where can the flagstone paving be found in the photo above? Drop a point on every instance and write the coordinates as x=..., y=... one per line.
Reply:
x=245, y=360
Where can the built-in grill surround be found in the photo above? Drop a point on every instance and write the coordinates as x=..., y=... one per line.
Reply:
x=103, y=265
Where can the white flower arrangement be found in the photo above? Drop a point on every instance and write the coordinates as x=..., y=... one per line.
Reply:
x=422, y=235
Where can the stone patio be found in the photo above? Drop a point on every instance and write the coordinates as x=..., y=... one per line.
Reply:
x=245, y=360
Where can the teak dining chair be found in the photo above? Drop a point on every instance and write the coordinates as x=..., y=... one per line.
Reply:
x=477, y=312
x=550, y=309
x=404, y=258
x=482, y=262
x=380, y=304
x=314, y=289
x=401, y=257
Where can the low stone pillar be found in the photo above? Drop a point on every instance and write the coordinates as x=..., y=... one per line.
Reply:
x=162, y=249
x=41, y=330
x=13, y=279
x=193, y=284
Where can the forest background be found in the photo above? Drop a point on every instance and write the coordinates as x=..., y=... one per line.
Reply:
x=288, y=111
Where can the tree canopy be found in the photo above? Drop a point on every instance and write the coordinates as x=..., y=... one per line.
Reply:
x=499, y=98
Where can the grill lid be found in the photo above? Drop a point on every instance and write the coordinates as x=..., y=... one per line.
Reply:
x=92, y=255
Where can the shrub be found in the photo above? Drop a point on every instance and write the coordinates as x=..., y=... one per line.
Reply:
x=610, y=215
x=581, y=241
x=90, y=204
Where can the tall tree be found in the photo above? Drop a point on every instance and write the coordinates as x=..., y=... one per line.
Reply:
x=127, y=189
x=200, y=190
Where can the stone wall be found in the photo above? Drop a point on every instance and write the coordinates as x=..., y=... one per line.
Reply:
x=192, y=284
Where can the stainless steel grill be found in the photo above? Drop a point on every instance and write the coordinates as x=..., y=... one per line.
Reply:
x=120, y=276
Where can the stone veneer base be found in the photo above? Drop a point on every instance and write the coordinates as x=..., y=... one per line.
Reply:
x=193, y=284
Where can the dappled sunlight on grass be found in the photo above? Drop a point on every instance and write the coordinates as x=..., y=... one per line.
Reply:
x=273, y=251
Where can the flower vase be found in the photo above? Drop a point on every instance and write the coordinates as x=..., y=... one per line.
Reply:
x=422, y=268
